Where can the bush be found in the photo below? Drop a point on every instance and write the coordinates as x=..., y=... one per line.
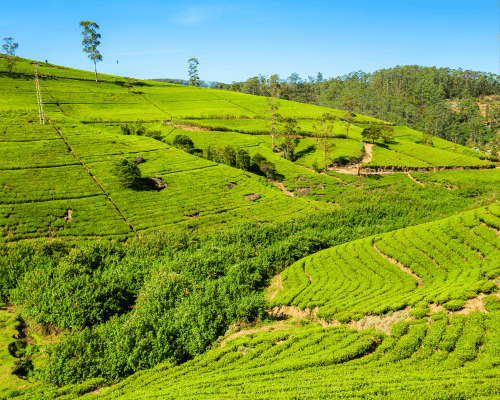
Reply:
x=491, y=303
x=79, y=290
x=419, y=312
x=183, y=142
x=243, y=160
x=454, y=305
x=128, y=173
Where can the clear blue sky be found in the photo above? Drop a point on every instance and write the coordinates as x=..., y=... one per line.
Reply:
x=237, y=40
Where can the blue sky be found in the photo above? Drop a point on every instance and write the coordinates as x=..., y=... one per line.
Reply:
x=236, y=40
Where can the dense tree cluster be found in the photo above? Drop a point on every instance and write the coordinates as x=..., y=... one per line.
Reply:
x=442, y=102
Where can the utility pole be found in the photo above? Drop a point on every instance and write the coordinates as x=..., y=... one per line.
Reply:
x=39, y=98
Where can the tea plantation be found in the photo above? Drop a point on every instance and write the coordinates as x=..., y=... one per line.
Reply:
x=228, y=269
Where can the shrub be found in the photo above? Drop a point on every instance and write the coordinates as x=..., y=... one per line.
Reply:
x=243, y=160
x=127, y=172
x=454, y=305
x=491, y=303
x=183, y=142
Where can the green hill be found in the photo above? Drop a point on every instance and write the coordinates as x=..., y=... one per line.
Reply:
x=154, y=282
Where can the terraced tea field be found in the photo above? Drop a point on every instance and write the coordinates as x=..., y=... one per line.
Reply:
x=444, y=262
x=445, y=359
x=194, y=257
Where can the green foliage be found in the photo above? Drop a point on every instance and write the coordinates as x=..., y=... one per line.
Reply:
x=193, y=71
x=372, y=133
x=127, y=172
x=491, y=303
x=243, y=160
x=10, y=49
x=91, y=41
x=442, y=254
x=77, y=291
x=454, y=305
x=183, y=142
x=140, y=130
x=416, y=361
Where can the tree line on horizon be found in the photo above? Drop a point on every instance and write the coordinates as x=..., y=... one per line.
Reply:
x=442, y=102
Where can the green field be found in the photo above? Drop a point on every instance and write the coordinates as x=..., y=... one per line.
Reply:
x=456, y=259
x=189, y=291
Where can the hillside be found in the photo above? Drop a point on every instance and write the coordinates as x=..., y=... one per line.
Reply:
x=213, y=276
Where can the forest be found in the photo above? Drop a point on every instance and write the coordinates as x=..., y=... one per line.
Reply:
x=456, y=105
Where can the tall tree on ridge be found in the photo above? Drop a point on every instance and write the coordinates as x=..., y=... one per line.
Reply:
x=10, y=49
x=91, y=41
x=193, y=71
x=349, y=105
x=324, y=128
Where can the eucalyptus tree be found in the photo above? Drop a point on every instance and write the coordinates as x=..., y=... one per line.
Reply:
x=10, y=49
x=193, y=71
x=323, y=127
x=90, y=42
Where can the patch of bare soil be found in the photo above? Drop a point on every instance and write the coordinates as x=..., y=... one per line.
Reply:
x=354, y=169
x=253, y=197
x=413, y=179
x=381, y=323
x=309, y=276
x=67, y=216
x=276, y=326
x=191, y=128
x=194, y=216
x=400, y=266
x=292, y=311
x=282, y=187
x=159, y=183
x=305, y=191
x=274, y=288
x=230, y=185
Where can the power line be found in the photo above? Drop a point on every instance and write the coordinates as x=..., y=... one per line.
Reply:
x=39, y=98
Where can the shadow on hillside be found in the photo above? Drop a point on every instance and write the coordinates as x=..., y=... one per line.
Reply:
x=306, y=151
x=18, y=77
x=149, y=185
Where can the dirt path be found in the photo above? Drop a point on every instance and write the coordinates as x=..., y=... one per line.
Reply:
x=413, y=179
x=282, y=187
x=274, y=288
x=355, y=169
x=400, y=266
x=191, y=128
x=309, y=276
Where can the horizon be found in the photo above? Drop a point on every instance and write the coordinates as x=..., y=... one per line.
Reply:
x=236, y=41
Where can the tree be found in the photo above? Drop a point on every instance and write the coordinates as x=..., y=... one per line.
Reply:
x=183, y=142
x=289, y=140
x=324, y=129
x=10, y=49
x=274, y=118
x=372, y=132
x=386, y=133
x=267, y=167
x=274, y=85
x=128, y=85
x=127, y=172
x=349, y=106
x=193, y=71
x=243, y=160
x=90, y=42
